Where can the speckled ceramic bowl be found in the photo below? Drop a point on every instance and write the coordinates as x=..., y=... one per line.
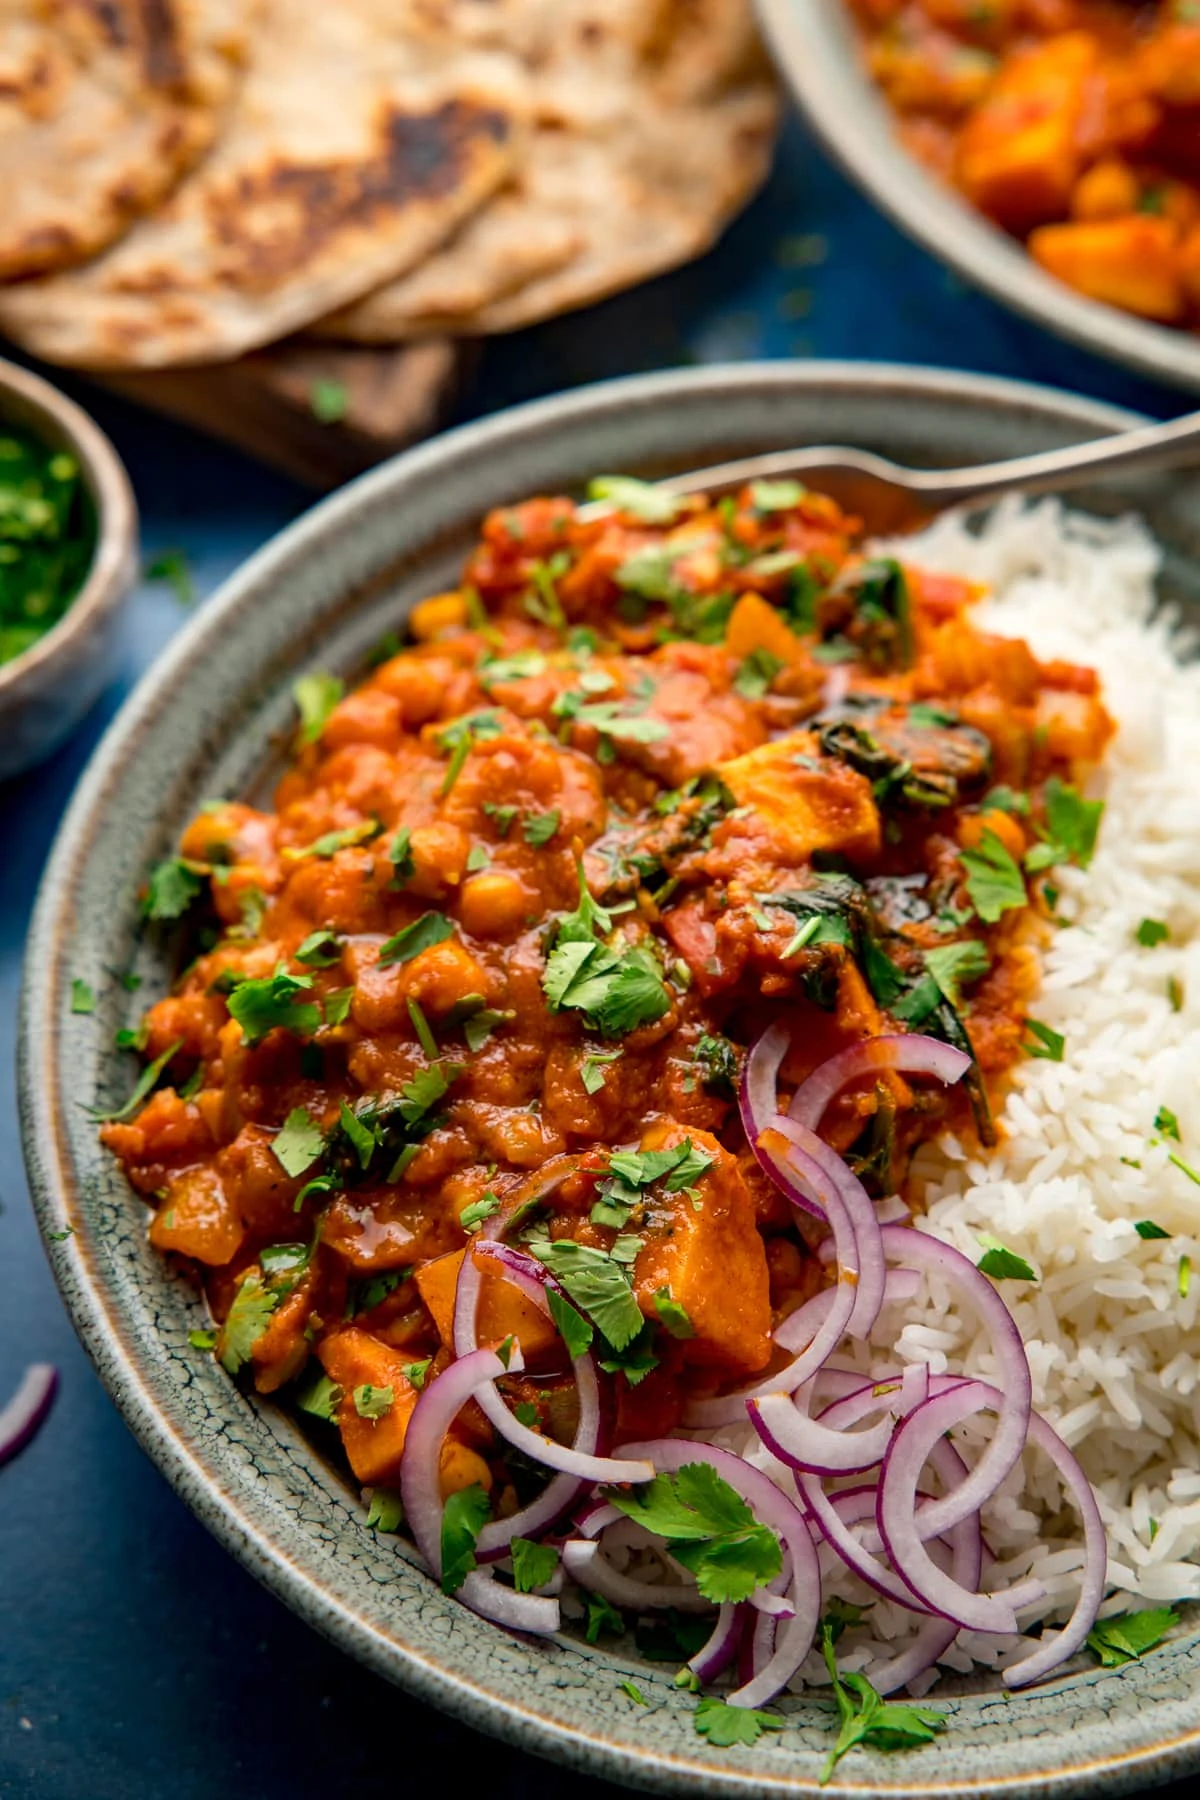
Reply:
x=45, y=692
x=814, y=42
x=204, y=723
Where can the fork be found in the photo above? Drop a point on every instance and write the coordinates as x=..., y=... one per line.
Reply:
x=891, y=498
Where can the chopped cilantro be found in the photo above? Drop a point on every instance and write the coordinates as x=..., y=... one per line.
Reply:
x=634, y=1692
x=477, y=858
x=328, y=400
x=421, y=1026
x=930, y=718
x=616, y=991
x=315, y=697
x=337, y=1005
x=776, y=496
x=597, y=1285
x=717, y=1060
x=501, y=816
x=328, y=845
x=533, y=1564
x=373, y=1402
x=366, y=1295
x=247, y=1319
x=1185, y=1276
x=473, y=1216
x=953, y=964
x=1129, y=1635
x=868, y=1719
x=602, y=1615
x=518, y=667
x=1166, y=1122
x=1049, y=1044
x=591, y=1070
x=417, y=1373
x=641, y=500
x=755, y=675
x=1175, y=993
x=1146, y=1228
x=320, y=950
x=431, y=928
x=478, y=1028
x=271, y=1003
x=363, y=1137
x=709, y=1527
x=464, y=1517
x=994, y=881
x=426, y=1088
x=83, y=997
x=146, y=1083
x=170, y=889
x=386, y=1511
x=1003, y=1264
x=399, y=854
x=459, y=738
x=673, y=1315
x=572, y=1327
x=539, y=828
x=1151, y=932
x=203, y=1339
x=724, y=1725
x=1005, y=799
x=320, y=1397
x=1073, y=821
x=298, y=1142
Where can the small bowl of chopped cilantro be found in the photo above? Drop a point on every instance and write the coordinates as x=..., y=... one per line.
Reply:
x=68, y=531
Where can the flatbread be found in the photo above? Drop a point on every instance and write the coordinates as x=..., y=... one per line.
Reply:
x=655, y=123
x=359, y=140
x=103, y=105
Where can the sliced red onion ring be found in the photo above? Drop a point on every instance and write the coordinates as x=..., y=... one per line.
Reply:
x=586, y=1563
x=896, y=1510
x=594, y=1517
x=1003, y=1450
x=908, y=1053
x=804, y=1443
x=24, y=1413
x=580, y=1463
x=421, y=1492
x=793, y=1640
x=822, y=1169
x=714, y=1657
x=758, y=1104
x=777, y=1605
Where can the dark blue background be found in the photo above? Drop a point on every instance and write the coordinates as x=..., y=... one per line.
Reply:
x=136, y=1659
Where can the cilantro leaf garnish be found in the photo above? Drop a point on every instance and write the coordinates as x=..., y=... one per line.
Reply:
x=421, y=1026
x=327, y=846
x=539, y=828
x=459, y=738
x=417, y=1373
x=479, y=1026
x=1129, y=1635
x=171, y=888
x=615, y=991
x=1151, y=932
x=518, y=667
x=386, y=1511
x=1146, y=1228
x=399, y=854
x=171, y=567
x=709, y=1527
x=1003, y=1264
x=755, y=675
x=247, y=1319
x=320, y=950
x=868, y=1719
x=501, y=816
x=1073, y=821
x=602, y=1615
x=572, y=1327
x=641, y=500
x=1166, y=1122
x=146, y=1083
x=953, y=964
x=298, y=1142
x=315, y=697
x=533, y=1564
x=337, y=1005
x=776, y=496
x=672, y=1314
x=1003, y=799
x=203, y=1338
x=373, y=1402
x=473, y=1216
x=430, y=929
x=724, y=1725
x=465, y=1515
x=270, y=1003
x=83, y=996
x=320, y=1397
x=717, y=1060
x=994, y=881
x=328, y=400
x=597, y=1285
x=591, y=1069
x=1049, y=1044
x=426, y=1088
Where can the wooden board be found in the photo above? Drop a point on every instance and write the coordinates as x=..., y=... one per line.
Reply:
x=319, y=412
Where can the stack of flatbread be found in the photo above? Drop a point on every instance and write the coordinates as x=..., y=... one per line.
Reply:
x=183, y=181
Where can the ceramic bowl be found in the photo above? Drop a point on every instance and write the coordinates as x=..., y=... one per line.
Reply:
x=45, y=692
x=209, y=720
x=815, y=44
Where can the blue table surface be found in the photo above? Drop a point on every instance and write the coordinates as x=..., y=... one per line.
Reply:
x=136, y=1658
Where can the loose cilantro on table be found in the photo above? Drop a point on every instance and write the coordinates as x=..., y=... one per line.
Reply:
x=316, y=696
x=298, y=1142
x=83, y=996
x=598, y=1286
x=533, y=1564
x=171, y=888
x=386, y=1511
x=274, y=1002
x=171, y=567
x=1124, y=1638
x=994, y=881
x=203, y=1338
x=1151, y=932
x=1048, y=1043
x=464, y=1517
x=146, y=1083
x=724, y=1725
x=1003, y=1264
x=868, y=1719
x=430, y=929
x=709, y=1527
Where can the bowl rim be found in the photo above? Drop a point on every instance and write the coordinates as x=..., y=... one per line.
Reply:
x=109, y=575
x=124, y=1365
x=813, y=44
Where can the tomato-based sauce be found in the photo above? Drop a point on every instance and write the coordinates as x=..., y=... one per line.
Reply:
x=645, y=783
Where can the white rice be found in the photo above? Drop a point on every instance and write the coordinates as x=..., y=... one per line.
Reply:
x=1114, y=1348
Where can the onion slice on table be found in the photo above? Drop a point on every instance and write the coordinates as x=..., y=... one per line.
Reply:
x=421, y=1492
x=23, y=1415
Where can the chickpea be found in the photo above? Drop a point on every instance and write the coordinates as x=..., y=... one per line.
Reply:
x=443, y=975
x=494, y=904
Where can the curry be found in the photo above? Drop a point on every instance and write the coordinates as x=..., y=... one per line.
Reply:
x=656, y=774
x=1074, y=124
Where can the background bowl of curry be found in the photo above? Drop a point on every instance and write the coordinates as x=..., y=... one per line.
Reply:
x=816, y=46
x=213, y=717
x=47, y=688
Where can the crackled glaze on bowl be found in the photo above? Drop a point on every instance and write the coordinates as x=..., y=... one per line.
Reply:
x=203, y=723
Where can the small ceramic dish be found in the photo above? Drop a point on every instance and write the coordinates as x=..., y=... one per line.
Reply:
x=815, y=44
x=46, y=691
x=212, y=718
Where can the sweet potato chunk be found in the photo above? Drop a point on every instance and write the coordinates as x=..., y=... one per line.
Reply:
x=353, y=1359
x=806, y=808
x=503, y=1309
x=1019, y=155
x=710, y=1259
x=1133, y=263
x=754, y=624
x=198, y=1218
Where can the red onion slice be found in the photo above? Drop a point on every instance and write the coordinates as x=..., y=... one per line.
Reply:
x=714, y=1657
x=804, y=1443
x=25, y=1412
x=908, y=1053
x=758, y=1104
x=823, y=1169
x=586, y=1563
